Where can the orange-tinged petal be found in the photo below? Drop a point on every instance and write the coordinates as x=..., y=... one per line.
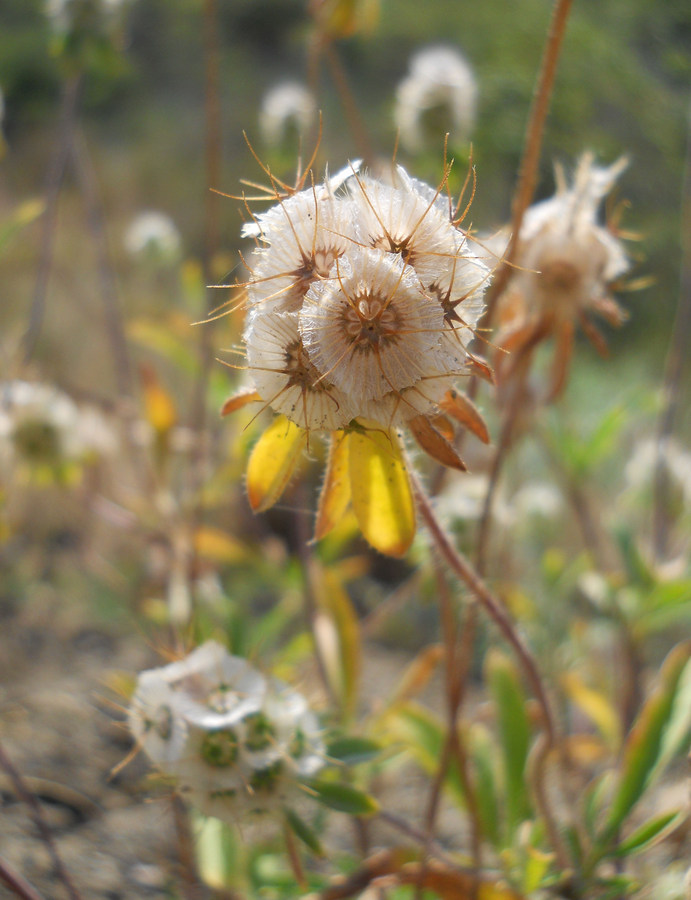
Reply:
x=464, y=411
x=381, y=495
x=239, y=400
x=272, y=462
x=335, y=493
x=434, y=443
x=158, y=403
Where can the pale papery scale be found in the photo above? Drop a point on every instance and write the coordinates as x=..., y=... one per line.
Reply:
x=285, y=376
x=400, y=218
x=306, y=233
x=370, y=326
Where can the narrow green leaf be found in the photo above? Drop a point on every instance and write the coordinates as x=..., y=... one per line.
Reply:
x=352, y=750
x=483, y=755
x=514, y=733
x=303, y=831
x=645, y=742
x=423, y=734
x=343, y=798
x=647, y=832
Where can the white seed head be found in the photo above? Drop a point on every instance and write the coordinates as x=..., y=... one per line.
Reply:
x=371, y=326
x=40, y=424
x=568, y=258
x=439, y=78
x=154, y=235
x=361, y=302
x=284, y=105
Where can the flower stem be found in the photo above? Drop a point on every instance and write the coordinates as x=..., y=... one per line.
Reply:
x=492, y=605
x=527, y=174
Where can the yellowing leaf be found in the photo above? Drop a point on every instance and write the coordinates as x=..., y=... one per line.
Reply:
x=416, y=677
x=335, y=493
x=214, y=544
x=381, y=495
x=452, y=884
x=595, y=705
x=158, y=403
x=435, y=444
x=272, y=462
x=338, y=632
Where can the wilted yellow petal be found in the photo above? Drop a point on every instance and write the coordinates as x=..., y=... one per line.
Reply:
x=158, y=403
x=272, y=462
x=381, y=495
x=335, y=493
x=595, y=705
x=214, y=544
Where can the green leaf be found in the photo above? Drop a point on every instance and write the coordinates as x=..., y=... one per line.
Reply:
x=423, y=734
x=647, y=833
x=217, y=852
x=514, y=733
x=303, y=831
x=644, y=744
x=483, y=753
x=352, y=750
x=343, y=798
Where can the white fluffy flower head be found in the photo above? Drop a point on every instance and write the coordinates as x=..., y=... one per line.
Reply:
x=153, y=234
x=570, y=259
x=439, y=78
x=41, y=425
x=287, y=104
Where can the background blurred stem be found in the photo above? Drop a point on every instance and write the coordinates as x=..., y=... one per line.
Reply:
x=213, y=147
x=115, y=324
x=69, y=103
x=674, y=369
x=17, y=884
x=527, y=173
x=46, y=835
x=350, y=107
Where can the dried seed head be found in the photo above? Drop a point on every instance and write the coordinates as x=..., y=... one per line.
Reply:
x=361, y=302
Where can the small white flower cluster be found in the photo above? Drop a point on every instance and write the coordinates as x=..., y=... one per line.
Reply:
x=286, y=104
x=439, y=78
x=153, y=235
x=41, y=425
x=233, y=740
x=362, y=298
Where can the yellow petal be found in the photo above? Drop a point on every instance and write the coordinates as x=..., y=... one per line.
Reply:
x=272, y=462
x=214, y=544
x=596, y=706
x=335, y=493
x=158, y=403
x=381, y=495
